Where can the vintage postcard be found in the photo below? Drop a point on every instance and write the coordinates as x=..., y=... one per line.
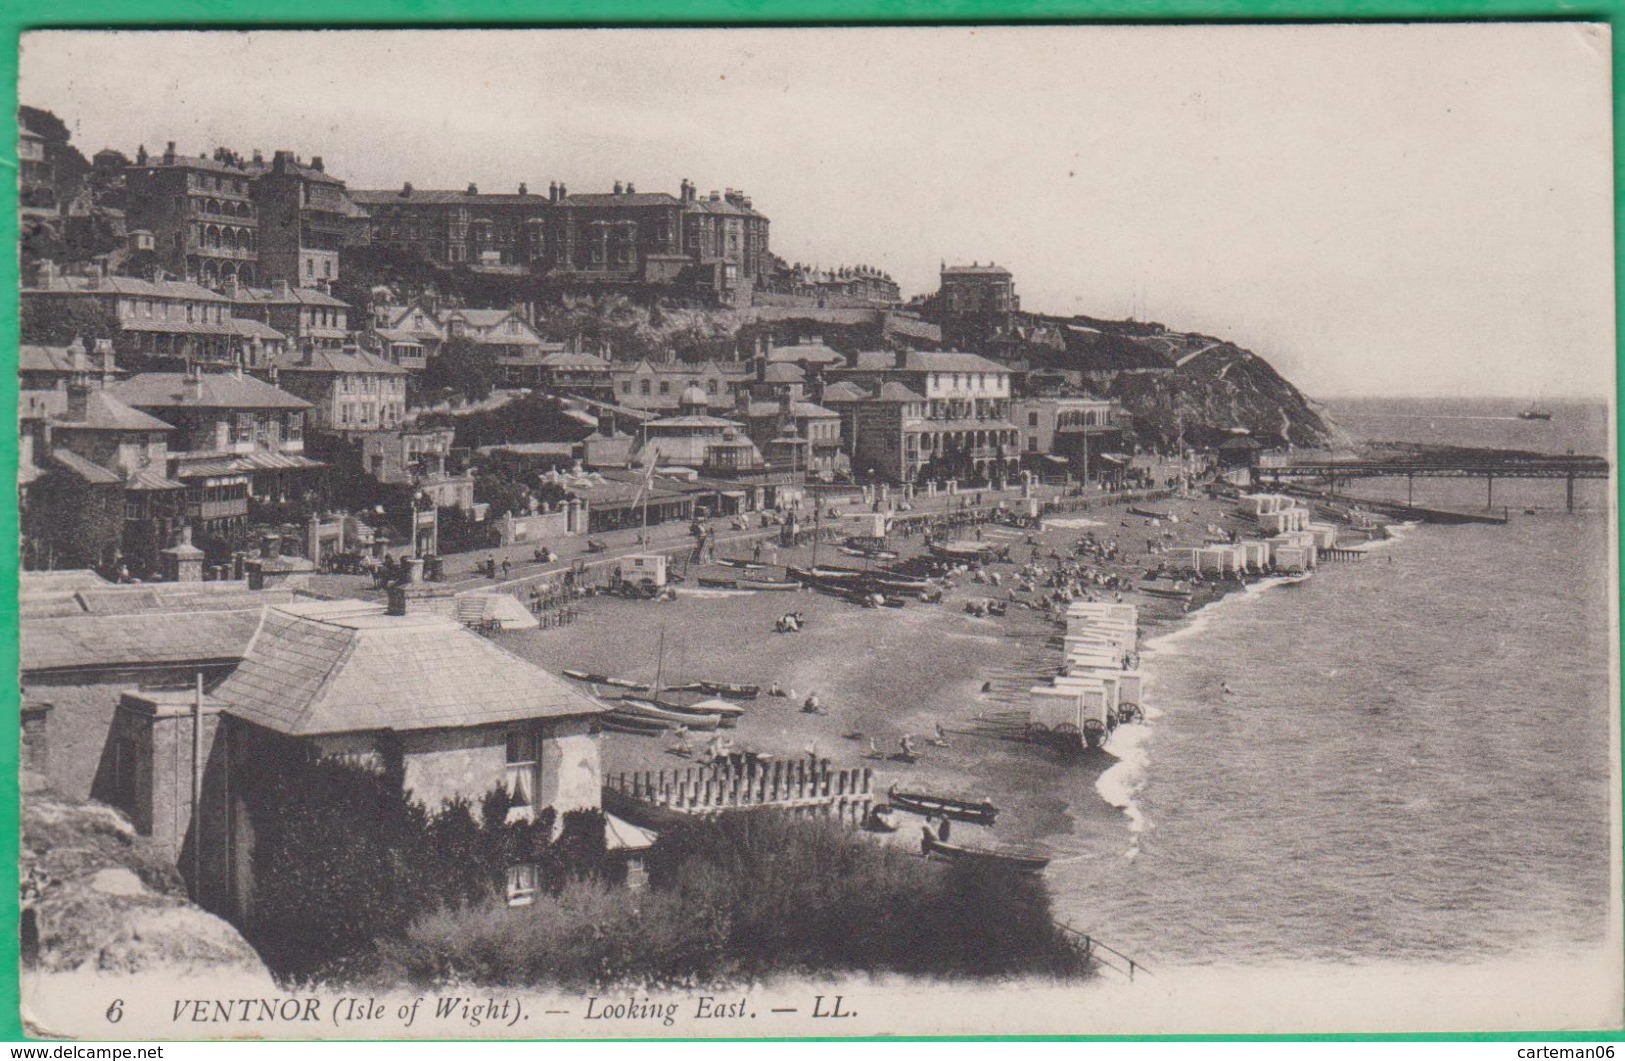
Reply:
x=761, y=533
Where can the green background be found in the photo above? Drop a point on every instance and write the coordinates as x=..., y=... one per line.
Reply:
x=249, y=14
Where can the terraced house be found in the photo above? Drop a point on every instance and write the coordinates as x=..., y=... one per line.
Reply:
x=162, y=320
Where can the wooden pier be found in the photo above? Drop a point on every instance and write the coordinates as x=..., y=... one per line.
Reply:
x=801, y=786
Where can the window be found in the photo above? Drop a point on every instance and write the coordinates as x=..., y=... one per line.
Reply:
x=522, y=884
x=243, y=428
x=1032, y=445
x=643, y=387
x=665, y=387
x=521, y=776
x=1032, y=419
x=626, y=386
x=710, y=386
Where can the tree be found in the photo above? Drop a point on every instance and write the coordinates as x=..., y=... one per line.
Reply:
x=462, y=367
x=58, y=321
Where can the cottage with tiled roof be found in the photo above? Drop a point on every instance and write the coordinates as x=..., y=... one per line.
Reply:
x=373, y=686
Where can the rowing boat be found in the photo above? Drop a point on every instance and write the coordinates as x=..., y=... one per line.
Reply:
x=1019, y=861
x=981, y=811
x=626, y=683
x=651, y=710
x=748, y=565
x=766, y=583
x=622, y=723
x=719, y=583
x=729, y=690
x=584, y=676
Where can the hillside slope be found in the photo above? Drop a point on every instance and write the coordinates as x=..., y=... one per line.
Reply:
x=1217, y=388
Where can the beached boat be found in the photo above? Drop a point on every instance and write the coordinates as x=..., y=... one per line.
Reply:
x=649, y=709
x=747, y=565
x=901, y=582
x=642, y=727
x=1150, y=513
x=729, y=690
x=1535, y=414
x=886, y=555
x=718, y=583
x=1166, y=589
x=584, y=676
x=784, y=585
x=1021, y=862
x=981, y=811
x=625, y=683
x=963, y=551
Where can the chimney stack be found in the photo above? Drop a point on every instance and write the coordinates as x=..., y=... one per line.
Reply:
x=552, y=191
x=617, y=187
x=406, y=190
x=630, y=190
x=473, y=189
x=169, y=153
x=522, y=189
x=316, y=163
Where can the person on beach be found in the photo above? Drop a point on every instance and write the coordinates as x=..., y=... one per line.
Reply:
x=943, y=829
x=925, y=839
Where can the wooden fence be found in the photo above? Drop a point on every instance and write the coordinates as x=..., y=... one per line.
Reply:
x=803, y=786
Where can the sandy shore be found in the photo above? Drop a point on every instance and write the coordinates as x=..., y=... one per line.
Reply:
x=884, y=673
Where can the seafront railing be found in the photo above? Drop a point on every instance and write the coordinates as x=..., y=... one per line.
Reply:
x=1093, y=947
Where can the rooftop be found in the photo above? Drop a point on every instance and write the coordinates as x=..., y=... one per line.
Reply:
x=209, y=390
x=345, y=666
x=103, y=412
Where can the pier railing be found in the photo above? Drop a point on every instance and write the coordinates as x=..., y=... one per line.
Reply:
x=801, y=786
x=1104, y=956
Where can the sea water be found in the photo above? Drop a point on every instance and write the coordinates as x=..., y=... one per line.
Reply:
x=1412, y=760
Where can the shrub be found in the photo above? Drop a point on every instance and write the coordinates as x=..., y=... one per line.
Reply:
x=745, y=897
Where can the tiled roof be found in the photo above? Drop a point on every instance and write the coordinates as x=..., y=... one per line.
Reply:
x=442, y=197
x=844, y=391
x=335, y=361
x=567, y=359
x=253, y=329
x=110, y=641
x=169, y=327
x=344, y=667
x=975, y=270
x=624, y=199
x=128, y=285
x=896, y=392
x=219, y=390
x=103, y=412
x=926, y=361
x=31, y=358
x=813, y=353
x=191, y=466
x=87, y=470
x=780, y=372
x=150, y=480
x=398, y=335
x=799, y=409
x=304, y=296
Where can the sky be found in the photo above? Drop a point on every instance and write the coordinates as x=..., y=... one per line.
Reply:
x=1395, y=209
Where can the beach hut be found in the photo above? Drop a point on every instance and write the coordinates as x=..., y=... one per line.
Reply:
x=1325, y=535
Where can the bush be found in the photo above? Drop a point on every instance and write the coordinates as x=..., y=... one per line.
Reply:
x=745, y=897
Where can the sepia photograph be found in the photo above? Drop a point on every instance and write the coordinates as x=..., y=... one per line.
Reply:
x=805, y=532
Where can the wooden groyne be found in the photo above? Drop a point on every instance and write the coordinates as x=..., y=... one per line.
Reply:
x=801, y=786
